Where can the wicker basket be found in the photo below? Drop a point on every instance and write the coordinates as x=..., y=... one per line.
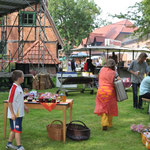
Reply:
x=55, y=131
x=78, y=131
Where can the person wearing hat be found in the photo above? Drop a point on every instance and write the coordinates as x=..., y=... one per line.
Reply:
x=137, y=69
x=106, y=101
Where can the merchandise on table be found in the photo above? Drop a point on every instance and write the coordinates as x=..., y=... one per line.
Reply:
x=45, y=97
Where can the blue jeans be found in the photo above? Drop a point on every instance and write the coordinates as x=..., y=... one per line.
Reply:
x=135, y=87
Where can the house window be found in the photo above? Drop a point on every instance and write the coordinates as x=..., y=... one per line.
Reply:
x=27, y=18
x=97, y=43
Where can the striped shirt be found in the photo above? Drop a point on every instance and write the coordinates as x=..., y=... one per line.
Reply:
x=16, y=97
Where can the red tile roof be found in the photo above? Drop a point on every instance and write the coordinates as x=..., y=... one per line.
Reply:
x=113, y=30
x=84, y=41
x=31, y=55
x=98, y=36
x=92, y=36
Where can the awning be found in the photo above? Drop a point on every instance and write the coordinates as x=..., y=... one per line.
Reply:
x=111, y=49
x=9, y=6
x=62, y=58
x=80, y=54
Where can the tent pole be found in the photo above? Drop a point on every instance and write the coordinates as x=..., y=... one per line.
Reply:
x=107, y=53
x=133, y=55
x=119, y=64
x=90, y=53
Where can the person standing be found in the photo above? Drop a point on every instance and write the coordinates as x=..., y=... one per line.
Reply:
x=16, y=110
x=97, y=63
x=85, y=68
x=100, y=61
x=82, y=64
x=114, y=57
x=73, y=65
x=106, y=101
x=69, y=66
x=90, y=66
x=137, y=69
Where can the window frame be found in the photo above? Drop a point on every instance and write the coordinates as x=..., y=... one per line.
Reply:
x=21, y=21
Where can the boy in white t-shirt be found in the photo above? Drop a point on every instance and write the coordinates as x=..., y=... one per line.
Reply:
x=16, y=109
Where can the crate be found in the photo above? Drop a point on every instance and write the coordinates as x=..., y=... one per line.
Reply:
x=145, y=141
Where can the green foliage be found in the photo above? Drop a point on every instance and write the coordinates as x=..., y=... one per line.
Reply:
x=74, y=19
x=67, y=48
x=103, y=61
x=2, y=21
x=140, y=15
x=54, y=80
x=119, y=137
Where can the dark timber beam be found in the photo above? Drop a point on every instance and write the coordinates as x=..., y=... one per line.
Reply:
x=9, y=6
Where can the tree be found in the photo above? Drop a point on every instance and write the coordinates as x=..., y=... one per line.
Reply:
x=74, y=19
x=140, y=15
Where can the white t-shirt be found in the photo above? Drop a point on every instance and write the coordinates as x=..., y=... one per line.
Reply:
x=97, y=64
x=100, y=62
x=16, y=97
x=82, y=64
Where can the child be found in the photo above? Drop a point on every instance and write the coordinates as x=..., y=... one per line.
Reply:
x=16, y=110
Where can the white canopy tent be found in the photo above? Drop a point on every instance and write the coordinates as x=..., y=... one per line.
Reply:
x=131, y=53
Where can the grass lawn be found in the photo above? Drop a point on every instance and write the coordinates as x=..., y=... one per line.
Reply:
x=119, y=137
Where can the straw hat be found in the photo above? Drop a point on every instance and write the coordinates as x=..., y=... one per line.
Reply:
x=110, y=63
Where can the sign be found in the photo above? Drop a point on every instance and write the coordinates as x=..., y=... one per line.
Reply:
x=111, y=42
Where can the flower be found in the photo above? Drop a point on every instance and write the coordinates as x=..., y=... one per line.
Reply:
x=137, y=128
x=133, y=127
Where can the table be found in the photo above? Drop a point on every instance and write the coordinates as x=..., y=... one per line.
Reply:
x=76, y=80
x=37, y=105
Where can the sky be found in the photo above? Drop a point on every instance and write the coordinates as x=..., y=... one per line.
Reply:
x=114, y=7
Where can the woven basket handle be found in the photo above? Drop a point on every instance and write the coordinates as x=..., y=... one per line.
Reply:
x=56, y=121
x=77, y=121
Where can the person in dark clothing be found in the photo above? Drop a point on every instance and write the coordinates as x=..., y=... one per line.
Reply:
x=114, y=57
x=90, y=66
x=73, y=65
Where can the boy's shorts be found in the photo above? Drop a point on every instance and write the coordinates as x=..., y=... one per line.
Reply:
x=16, y=125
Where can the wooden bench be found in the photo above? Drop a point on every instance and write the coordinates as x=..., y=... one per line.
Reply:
x=147, y=100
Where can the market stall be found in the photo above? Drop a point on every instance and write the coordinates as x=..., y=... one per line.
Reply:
x=36, y=104
x=122, y=70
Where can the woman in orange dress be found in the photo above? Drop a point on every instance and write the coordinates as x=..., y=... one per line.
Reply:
x=106, y=101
